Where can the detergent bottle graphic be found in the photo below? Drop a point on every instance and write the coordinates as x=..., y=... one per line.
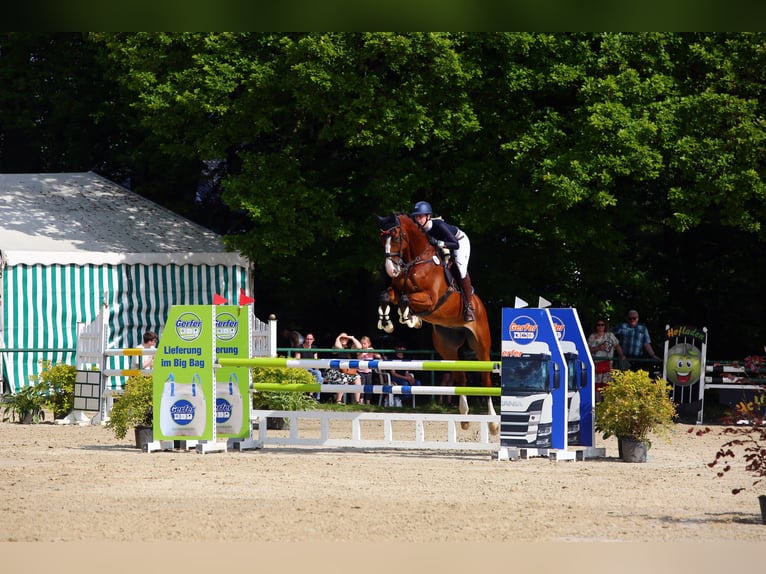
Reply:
x=182, y=409
x=228, y=406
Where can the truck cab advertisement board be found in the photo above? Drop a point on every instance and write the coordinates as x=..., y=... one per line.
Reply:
x=582, y=375
x=533, y=403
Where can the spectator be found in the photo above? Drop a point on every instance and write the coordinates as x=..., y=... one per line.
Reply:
x=344, y=376
x=602, y=344
x=402, y=377
x=146, y=361
x=365, y=375
x=308, y=343
x=292, y=339
x=635, y=342
x=446, y=381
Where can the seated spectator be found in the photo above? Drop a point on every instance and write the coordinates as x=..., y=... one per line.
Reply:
x=446, y=381
x=292, y=339
x=308, y=343
x=344, y=376
x=402, y=378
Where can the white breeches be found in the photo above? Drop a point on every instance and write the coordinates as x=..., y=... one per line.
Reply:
x=463, y=254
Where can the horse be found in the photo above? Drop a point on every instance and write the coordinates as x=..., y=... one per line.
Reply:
x=424, y=289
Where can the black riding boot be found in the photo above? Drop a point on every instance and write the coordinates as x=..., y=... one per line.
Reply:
x=465, y=284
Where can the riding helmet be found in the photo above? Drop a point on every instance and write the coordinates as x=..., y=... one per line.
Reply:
x=422, y=208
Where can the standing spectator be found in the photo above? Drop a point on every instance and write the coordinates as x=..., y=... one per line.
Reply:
x=308, y=343
x=635, y=342
x=366, y=374
x=344, y=376
x=146, y=361
x=603, y=344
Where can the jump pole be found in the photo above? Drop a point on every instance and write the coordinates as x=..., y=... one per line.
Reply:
x=379, y=389
x=282, y=362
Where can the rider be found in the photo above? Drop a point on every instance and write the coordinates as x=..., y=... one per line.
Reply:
x=447, y=236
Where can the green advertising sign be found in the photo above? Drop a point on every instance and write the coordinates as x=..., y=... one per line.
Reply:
x=233, y=339
x=183, y=380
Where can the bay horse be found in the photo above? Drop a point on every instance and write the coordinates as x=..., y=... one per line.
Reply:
x=424, y=289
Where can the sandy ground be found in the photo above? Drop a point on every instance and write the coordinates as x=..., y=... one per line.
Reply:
x=69, y=483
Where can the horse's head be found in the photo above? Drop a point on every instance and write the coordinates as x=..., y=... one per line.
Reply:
x=403, y=240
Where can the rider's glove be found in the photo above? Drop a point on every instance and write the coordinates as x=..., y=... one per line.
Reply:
x=440, y=243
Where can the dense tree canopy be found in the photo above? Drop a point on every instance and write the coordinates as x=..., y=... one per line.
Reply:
x=604, y=171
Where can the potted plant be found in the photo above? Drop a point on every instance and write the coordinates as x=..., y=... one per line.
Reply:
x=634, y=406
x=133, y=410
x=59, y=380
x=27, y=405
x=278, y=400
x=51, y=390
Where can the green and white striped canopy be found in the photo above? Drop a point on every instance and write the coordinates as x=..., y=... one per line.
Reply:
x=71, y=243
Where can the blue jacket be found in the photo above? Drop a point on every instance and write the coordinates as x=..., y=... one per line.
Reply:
x=443, y=231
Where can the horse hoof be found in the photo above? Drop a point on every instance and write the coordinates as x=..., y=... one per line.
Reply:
x=494, y=429
x=465, y=425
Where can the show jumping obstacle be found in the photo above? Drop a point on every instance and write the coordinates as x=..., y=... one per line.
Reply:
x=365, y=432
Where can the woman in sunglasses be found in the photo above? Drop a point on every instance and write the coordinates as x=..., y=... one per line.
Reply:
x=603, y=344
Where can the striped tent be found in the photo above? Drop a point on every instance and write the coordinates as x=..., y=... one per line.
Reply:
x=73, y=242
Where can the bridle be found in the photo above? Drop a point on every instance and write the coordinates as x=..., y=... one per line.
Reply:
x=400, y=238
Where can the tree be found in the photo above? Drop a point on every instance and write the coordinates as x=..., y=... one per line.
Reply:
x=604, y=171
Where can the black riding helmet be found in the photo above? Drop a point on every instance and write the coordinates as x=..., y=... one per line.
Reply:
x=422, y=208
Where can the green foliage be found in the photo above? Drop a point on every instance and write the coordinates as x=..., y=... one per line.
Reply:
x=133, y=408
x=631, y=163
x=27, y=405
x=52, y=389
x=635, y=405
x=274, y=400
x=59, y=381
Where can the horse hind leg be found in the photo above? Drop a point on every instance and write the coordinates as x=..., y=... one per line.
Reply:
x=464, y=410
x=494, y=428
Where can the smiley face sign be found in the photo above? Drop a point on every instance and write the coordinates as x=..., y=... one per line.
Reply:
x=684, y=364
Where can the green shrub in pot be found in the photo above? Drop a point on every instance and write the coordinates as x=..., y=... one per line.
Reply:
x=634, y=405
x=133, y=408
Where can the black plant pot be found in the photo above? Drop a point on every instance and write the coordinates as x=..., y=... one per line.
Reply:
x=144, y=435
x=632, y=450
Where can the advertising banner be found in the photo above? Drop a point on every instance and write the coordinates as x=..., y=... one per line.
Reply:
x=184, y=377
x=233, y=339
x=684, y=367
x=533, y=379
x=566, y=323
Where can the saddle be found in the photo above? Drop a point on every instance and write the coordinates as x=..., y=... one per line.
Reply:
x=451, y=273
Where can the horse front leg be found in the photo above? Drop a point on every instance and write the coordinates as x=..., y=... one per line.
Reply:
x=406, y=316
x=384, y=309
